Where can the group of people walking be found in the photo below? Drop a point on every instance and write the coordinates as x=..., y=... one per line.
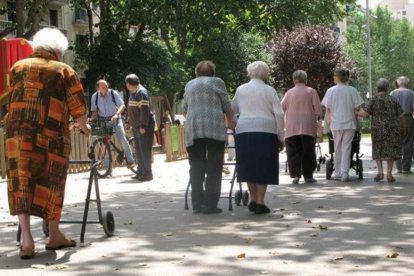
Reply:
x=264, y=125
x=45, y=93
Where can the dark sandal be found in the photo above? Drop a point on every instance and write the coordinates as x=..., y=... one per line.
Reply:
x=252, y=206
x=65, y=243
x=261, y=209
x=379, y=177
x=390, y=179
x=26, y=254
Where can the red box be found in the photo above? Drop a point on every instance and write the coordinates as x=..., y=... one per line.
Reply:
x=11, y=50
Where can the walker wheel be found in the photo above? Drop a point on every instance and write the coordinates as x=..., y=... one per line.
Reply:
x=245, y=198
x=360, y=169
x=329, y=169
x=45, y=228
x=108, y=223
x=238, y=198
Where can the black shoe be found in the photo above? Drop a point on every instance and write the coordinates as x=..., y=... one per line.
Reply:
x=145, y=178
x=261, y=209
x=136, y=177
x=252, y=206
x=197, y=208
x=208, y=211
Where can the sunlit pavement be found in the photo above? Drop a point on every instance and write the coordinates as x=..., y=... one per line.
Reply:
x=325, y=228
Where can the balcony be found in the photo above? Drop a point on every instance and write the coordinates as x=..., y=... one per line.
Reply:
x=59, y=3
x=6, y=24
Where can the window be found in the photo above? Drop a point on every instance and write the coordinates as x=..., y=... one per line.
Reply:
x=81, y=15
x=404, y=13
x=53, y=18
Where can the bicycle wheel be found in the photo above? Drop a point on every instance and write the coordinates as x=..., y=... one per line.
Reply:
x=103, y=154
x=132, y=146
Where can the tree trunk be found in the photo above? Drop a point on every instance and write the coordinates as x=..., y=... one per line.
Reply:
x=20, y=17
x=34, y=17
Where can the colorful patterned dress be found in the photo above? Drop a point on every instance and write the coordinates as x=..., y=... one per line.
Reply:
x=44, y=94
x=386, y=139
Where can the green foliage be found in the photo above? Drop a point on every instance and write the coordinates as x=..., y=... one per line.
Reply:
x=173, y=36
x=392, y=51
x=231, y=52
x=114, y=59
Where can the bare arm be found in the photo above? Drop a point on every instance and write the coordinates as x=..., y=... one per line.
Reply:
x=117, y=115
x=328, y=116
x=83, y=125
x=94, y=115
x=231, y=121
x=361, y=113
x=120, y=109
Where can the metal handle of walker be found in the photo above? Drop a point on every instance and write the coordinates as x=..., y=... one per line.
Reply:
x=91, y=155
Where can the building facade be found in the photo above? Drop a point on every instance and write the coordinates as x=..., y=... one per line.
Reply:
x=58, y=14
x=400, y=9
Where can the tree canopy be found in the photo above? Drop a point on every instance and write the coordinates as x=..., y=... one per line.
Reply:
x=314, y=49
x=392, y=53
x=162, y=40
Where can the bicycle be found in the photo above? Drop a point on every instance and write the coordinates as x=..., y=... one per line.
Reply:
x=103, y=147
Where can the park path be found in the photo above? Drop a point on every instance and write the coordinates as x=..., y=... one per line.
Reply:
x=325, y=228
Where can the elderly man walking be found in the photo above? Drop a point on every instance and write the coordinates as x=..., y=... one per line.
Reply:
x=341, y=102
x=301, y=106
x=405, y=97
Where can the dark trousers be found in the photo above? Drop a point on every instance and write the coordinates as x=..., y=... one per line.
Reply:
x=206, y=164
x=143, y=150
x=407, y=141
x=301, y=155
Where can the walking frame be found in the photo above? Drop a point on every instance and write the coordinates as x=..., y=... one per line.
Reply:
x=107, y=220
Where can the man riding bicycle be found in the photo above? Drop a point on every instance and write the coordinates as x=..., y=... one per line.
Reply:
x=107, y=106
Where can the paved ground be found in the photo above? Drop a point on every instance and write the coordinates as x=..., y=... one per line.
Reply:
x=154, y=236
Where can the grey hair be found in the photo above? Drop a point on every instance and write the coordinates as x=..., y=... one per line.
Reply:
x=383, y=85
x=300, y=75
x=50, y=39
x=258, y=70
x=403, y=81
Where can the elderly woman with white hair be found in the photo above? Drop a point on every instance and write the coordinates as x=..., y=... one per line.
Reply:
x=44, y=94
x=259, y=135
x=301, y=105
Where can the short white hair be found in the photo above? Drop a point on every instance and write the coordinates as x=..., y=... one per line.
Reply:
x=258, y=70
x=403, y=81
x=50, y=39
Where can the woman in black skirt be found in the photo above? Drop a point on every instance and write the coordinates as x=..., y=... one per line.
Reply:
x=259, y=135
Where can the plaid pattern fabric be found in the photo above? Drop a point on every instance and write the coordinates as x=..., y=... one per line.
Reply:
x=45, y=93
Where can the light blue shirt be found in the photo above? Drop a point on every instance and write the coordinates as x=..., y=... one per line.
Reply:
x=107, y=107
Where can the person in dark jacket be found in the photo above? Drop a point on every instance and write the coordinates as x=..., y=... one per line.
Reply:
x=142, y=122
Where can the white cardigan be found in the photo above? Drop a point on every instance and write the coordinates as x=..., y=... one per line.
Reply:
x=258, y=108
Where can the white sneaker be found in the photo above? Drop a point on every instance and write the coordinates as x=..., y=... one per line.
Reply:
x=345, y=177
x=295, y=180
